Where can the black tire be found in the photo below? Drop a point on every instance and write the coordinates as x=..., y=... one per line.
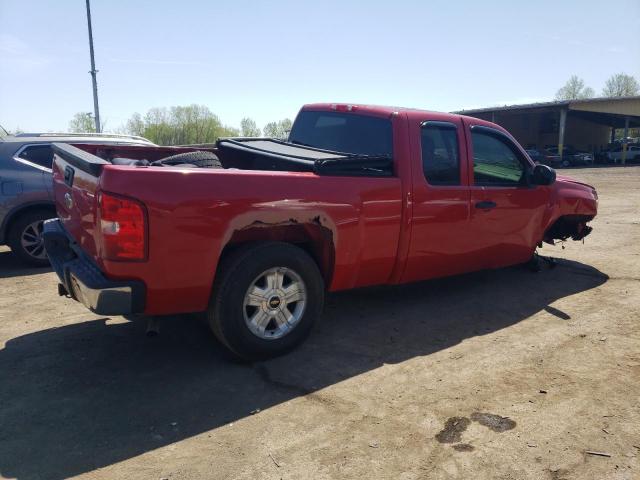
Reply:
x=237, y=272
x=198, y=158
x=22, y=226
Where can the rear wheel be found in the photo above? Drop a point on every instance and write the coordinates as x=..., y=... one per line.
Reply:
x=25, y=238
x=267, y=298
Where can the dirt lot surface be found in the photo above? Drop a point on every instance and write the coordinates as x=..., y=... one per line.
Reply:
x=504, y=375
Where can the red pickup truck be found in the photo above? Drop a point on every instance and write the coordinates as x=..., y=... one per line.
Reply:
x=254, y=231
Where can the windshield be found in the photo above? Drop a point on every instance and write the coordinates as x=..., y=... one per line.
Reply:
x=343, y=132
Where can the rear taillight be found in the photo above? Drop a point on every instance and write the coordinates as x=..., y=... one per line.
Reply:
x=122, y=227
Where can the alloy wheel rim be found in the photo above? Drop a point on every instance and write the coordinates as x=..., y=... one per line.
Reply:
x=32, y=242
x=274, y=303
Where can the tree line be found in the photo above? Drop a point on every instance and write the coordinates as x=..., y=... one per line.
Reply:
x=618, y=85
x=184, y=125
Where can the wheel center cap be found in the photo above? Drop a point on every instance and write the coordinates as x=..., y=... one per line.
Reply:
x=274, y=302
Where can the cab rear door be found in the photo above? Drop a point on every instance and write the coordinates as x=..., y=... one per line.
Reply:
x=439, y=240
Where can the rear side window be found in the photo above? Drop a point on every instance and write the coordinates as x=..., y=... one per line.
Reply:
x=496, y=161
x=343, y=132
x=440, y=156
x=39, y=154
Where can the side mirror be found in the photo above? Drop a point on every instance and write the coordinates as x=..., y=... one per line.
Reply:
x=543, y=175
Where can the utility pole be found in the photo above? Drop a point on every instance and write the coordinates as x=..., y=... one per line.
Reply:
x=93, y=73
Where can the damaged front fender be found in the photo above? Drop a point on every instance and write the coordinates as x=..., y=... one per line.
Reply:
x=575, y=204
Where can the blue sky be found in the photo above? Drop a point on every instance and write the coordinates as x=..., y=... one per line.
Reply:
x=266, y=59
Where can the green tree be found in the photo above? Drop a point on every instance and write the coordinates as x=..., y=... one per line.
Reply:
x=82, y=122
x=278, y=129
x=135, y=125
x=248, y=128
x=621, y=85
x=180, y=125
x=574, y=89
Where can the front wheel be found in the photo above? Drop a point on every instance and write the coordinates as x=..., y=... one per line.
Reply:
x=266, y=299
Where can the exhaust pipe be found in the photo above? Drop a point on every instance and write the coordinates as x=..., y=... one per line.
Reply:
x=153, y=327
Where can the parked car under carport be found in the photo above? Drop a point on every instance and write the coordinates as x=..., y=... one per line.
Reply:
x=540, y=155
x=615, y=154
x=572, y=157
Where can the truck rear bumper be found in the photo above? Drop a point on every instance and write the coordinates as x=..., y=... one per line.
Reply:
x=81, y=279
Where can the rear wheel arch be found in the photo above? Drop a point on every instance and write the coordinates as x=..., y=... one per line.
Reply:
x=315, y=239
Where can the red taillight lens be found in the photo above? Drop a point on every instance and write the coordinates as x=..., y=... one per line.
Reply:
x=122, y=226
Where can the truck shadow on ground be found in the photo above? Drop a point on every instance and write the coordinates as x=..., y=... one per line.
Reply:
x=88, y=395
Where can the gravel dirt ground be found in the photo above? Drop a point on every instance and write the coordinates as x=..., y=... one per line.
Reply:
x=503, y=374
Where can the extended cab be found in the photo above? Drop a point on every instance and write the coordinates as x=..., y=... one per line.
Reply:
x=357, y=196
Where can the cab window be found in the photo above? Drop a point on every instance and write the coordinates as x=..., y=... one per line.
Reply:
x=440, y=155
x=343, y=132
x=496, y=161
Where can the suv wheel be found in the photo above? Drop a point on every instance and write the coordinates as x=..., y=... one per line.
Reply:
x=25, y=238
x=266, y=299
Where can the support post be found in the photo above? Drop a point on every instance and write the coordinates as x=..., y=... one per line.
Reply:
x=93, y=72
x=561, y=128
x=624, y=140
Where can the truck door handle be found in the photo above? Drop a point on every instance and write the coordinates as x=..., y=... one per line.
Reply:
x=486, y=205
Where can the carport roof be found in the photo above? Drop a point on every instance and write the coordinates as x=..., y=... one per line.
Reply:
x=606, y=110
x=553, y=104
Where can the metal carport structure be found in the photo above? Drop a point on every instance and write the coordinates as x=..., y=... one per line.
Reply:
x=587, y=124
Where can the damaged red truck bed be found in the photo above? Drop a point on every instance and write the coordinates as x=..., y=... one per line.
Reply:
x=254, y=231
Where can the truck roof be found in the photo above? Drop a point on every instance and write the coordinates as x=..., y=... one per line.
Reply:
x=380, y=110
